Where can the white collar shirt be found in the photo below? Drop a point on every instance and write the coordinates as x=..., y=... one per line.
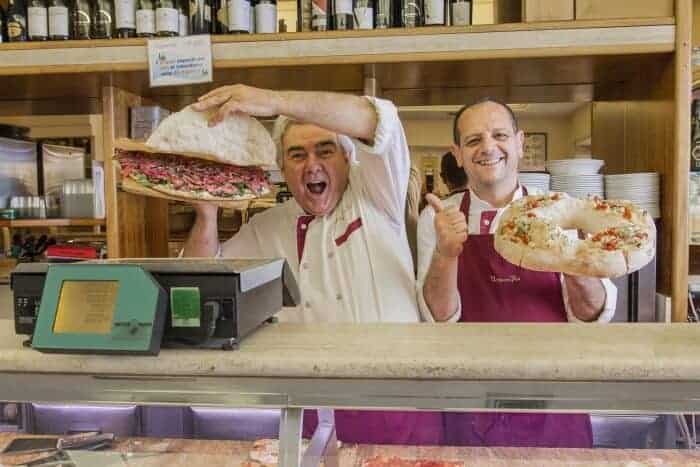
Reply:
x=477, y=210
x=356, y=265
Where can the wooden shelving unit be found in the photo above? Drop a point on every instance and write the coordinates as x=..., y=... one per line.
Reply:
x=92, y=229
x=636, y=73
x=558, y=39
x=31, y=223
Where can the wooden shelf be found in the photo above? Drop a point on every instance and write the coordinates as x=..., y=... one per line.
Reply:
x=541, y=62
x=572, y=38
x=31, y=223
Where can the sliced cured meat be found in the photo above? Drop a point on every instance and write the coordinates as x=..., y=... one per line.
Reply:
x=190, y=177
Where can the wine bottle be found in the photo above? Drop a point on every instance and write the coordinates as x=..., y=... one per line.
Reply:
x=460, y=12
x=38, y=20
x=342, y=15
x=434, y=13
x=383, y=14
x=184, y=18
x=125, y=12
x=220, y=20
x=167, y=18
x=239, y=16
x=2, y=25
x=411, y=13
x=200, y=17
x=320, y=15
x=364, y=14
x=304, y=15
x=59, y=20
x=81, y=19
x=145, y=18
x=265, y=16
x=16, y=21
x=102, y=19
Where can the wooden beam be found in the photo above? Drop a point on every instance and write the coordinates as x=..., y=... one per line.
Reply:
x=696, y=23
x=136, y=226
x=683, y=90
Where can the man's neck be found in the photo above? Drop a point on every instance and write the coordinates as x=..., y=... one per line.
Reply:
x=498, y=197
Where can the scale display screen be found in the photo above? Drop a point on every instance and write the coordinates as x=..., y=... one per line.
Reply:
x=86, y=307
x=100, y=309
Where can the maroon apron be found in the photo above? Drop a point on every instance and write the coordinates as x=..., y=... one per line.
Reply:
x=375, y=427
x=493, y=290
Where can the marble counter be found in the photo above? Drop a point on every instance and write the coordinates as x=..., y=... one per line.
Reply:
x=550, y=352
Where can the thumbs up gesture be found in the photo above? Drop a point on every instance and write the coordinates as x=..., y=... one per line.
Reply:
x=450, y=227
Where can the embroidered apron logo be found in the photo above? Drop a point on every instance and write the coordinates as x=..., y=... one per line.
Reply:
x=509, y=279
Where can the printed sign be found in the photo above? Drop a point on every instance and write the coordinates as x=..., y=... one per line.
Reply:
x=175, y=61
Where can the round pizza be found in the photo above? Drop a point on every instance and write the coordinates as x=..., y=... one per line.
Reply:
x=534, y=233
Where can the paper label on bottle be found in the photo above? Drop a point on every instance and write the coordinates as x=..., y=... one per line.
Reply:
x=178, y=61
x=266, y=18
x=239, y=15
x=145, y=22
x=58, y=21
x=343, y=7
x=38, y=21
x=461, y=13
x=184, y=25
x=167, y=20
x=364, y=18
x=434, y=12
x=125, y=11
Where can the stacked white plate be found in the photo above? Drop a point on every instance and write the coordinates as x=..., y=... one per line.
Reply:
x=579, y=186
x=643, y=189
x=536, y=180
x=574, y=166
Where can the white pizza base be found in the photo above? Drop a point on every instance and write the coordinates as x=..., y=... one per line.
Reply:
x=573, y=256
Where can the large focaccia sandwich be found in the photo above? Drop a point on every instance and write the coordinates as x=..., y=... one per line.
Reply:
x=186, y=160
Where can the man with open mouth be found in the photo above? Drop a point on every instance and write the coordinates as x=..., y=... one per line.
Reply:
x=346, y=161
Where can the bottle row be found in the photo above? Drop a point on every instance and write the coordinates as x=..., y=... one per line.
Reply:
x=40, y=20
x=322, y=15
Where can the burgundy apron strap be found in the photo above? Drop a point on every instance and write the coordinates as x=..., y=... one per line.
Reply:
x=302, y=228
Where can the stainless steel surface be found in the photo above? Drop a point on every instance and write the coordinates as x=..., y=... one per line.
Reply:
x=401, y=394
x=290, y=437
x=324, y=443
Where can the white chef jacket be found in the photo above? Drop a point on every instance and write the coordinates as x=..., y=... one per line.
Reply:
x=356, y=265
x=427, y=240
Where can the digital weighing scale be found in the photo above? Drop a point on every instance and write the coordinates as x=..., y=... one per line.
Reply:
x=135, y=306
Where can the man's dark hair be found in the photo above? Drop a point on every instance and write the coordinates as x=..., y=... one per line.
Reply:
x=483, y=100
x=452, y=174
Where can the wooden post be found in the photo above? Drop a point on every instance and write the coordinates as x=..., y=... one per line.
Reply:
x=137, y=226
x=681, y=166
